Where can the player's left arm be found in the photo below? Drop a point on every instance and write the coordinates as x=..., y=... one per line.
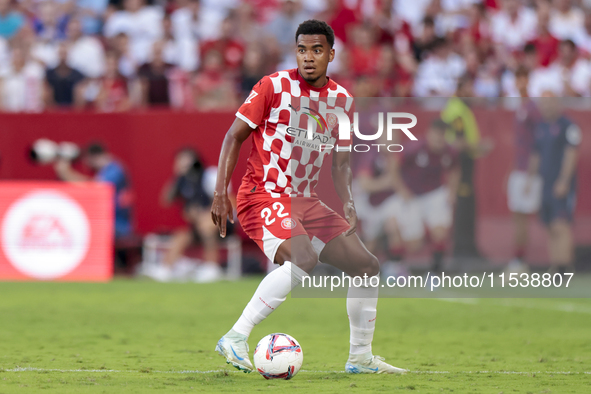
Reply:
x=342, y=178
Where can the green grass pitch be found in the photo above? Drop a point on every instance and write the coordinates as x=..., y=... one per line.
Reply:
x=144, y=337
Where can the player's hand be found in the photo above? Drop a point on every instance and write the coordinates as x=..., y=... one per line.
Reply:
x=221, y=209
x=351, y=216
x=560, y=188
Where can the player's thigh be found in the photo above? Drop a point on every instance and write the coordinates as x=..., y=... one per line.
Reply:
x=350, y=255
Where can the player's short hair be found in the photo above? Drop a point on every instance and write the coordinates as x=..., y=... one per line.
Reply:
x=439, y=125
x=314, y=26
x=95, y=148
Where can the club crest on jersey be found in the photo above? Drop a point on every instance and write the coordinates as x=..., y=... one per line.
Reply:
x=288, y=224
x=331, y=120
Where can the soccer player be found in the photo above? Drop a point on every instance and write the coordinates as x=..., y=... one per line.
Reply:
x=278, y=208
x=555, y=159
x=426, y=198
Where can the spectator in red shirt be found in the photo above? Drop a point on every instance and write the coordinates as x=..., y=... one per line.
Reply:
x=546, y=44
x=212, y=89
x=113, y=95
x=229, y=47
x=364, y=51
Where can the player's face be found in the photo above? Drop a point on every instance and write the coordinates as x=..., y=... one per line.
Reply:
x=313, y=55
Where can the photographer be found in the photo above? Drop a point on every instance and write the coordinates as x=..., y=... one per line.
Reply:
x=108, y=169
x=192, y=185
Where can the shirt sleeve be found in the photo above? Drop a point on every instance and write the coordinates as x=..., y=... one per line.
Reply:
x=257, y=105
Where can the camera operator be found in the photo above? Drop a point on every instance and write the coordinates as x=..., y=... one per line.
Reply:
x=192, y=185
x=108, y=169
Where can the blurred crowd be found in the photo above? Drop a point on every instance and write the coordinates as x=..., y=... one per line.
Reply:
x=115, y=55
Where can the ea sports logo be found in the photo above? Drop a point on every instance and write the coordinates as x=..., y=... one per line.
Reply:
x=45, y=234
x=288, y=224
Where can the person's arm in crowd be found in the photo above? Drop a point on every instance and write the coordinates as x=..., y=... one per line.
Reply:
x=567, y=171
x=398, y=181
x=64, y=170
x=221, y=208
x=168, y=193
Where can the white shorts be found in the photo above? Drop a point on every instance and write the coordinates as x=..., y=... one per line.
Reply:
x=429, y=210
x=518, y=200
x=373, y=218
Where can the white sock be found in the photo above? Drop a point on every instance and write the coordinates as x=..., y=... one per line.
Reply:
x=361, y=307
x=271, y=292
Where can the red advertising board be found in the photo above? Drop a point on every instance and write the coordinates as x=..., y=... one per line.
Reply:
x=56, y=231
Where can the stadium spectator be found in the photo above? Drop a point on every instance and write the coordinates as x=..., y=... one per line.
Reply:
x=282, y=26
x=425, y=40
x=438, y=74
x=545, y=43
x=212, y=89
x=127, y=63
x=192, y=185
x=50, y=22
x=568, y=76
x=583, y=38
x=21, y=83
x=63, y=82
x=182, y=52
x=528, y=61
x=154, y=78
x=426, y=179
x=253, y=68
x=113, y=93
x=523, y=195
x=248, y=28
x=194, y=21
x=555, y=159
x=231, y=50
x=91, y=14
x=10, y=19
x=141, y=23
x=566, y=20
x=85, y=53
x=513, y=26
x=364, y=50
x=107, y=169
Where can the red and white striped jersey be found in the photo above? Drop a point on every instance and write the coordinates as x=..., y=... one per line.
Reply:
x=291, y=137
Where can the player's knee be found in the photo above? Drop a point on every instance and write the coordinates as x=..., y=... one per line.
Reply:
x=305, y=259
x=372, y=265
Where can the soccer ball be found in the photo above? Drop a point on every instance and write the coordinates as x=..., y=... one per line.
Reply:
x=278, y=356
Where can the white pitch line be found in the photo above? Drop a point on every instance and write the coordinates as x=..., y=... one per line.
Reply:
x=512, y=302
x=31, y=369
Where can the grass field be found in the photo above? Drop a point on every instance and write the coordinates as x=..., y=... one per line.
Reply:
x=144, y=337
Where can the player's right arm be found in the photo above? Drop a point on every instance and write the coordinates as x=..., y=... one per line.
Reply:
x=249, y=116
x=221, y=207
